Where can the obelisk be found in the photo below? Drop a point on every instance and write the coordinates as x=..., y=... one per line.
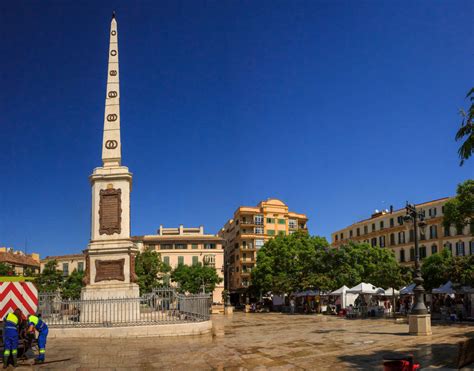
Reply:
x=110, y=270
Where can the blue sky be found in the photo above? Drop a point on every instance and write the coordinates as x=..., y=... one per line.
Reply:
x=335, y=107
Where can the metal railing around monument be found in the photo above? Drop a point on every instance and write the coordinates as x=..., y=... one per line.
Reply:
x=161, y=306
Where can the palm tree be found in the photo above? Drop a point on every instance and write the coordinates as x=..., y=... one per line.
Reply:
x=467, y=131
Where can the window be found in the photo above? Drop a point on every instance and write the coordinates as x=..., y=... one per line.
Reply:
x=194, y=246
x=209, y=260
x=412, y=254
x=458, y=231
x=373, y=227
x=292, y=223
x=258, y=230
x=471, y=227
x=402, y=255
x=271, y=232
x=433, y=231
x=392, y=223
x=382, y=241
x=358, y=232
x=350, y=233
x=270, y=221
x=411, y=237
x=342, y=236
x=336, y=237
x=381, y=224
x=180, y=260
x=447, y=232
x=434, y=249
x=259, y=243
x=366, y=229
x=471, y=247
x=392, y=239
x=373, y=242
x=80, y=267
x=166, y=260
x=65, y=269
x=281, y=233
x=401, y=237
x=400, y=220
x=210, y=246
x=460, y=248
x=281, y=221
x=258, y=219
x=166, y=247
x=151, y=247
x=195, y=260
x=422, y=252
x=180, y=246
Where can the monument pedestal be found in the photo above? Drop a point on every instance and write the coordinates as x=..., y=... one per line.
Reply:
x=419, y=324
x=229, y=310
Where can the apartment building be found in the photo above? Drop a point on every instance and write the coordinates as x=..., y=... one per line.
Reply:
x=247, y=231
x=387, y=229
x=187, y=246
x=66, y=263
x=19, y=261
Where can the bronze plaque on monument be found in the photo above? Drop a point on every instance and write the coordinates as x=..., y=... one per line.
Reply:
x=110, y=211
x=106, y=270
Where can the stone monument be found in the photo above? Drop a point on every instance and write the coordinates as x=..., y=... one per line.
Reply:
x=110, y=263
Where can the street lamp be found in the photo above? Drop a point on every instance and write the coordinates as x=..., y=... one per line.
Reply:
x=416, y=218
x=226, y=270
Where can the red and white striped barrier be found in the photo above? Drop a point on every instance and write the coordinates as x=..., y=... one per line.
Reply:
x=13, y=295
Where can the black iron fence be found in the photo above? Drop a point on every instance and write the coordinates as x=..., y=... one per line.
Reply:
x=162, y=306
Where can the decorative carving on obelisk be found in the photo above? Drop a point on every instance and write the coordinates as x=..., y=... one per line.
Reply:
x=111, y=146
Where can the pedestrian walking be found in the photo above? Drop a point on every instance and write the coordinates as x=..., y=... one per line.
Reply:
x=36, y=323
x=10, y=337
x=292, y=306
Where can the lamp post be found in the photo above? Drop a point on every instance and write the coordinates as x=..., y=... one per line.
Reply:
x=416, y=218
x=419, y=320
x=226, y=270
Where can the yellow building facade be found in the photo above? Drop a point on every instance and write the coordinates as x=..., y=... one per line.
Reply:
x=248, y=230
x=66, y=263
x=187, y=246
x=387, y=229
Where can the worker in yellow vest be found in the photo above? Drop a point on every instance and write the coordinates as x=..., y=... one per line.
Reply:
x=10, y=337
x=36, y=323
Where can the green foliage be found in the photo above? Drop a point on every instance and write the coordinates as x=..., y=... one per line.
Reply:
x=50, y=279
x=149, y=269
x=6, y=270
x=300, y=262
x=72, y=285
x=466, y=131
x=442, y=267
x=193, y=278
x=29, y=272
x=435, y=269
x=459, y=211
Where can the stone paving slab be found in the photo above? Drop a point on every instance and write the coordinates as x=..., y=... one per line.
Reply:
x=264, y=341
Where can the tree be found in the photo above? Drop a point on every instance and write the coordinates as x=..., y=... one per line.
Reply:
x=299, y=262
x=72, y=285
x=292, y=263
x=436, y=269
x=194, y=278
x=459, y=210
x=149, y=268
x=361, y=262
x=6, y=270
x=50, y=279
x=466, y=131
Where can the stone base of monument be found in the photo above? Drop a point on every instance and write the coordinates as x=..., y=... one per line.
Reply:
x=229, y=310
x=419, y=324
x=110, y=303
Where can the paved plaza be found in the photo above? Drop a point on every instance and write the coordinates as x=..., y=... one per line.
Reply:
x=266, y=341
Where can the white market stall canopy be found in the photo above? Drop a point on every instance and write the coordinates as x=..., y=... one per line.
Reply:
x=365, y=288
x=391, y=292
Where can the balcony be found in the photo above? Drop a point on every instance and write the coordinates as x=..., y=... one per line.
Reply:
x=249, y=223
x=247, y=261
